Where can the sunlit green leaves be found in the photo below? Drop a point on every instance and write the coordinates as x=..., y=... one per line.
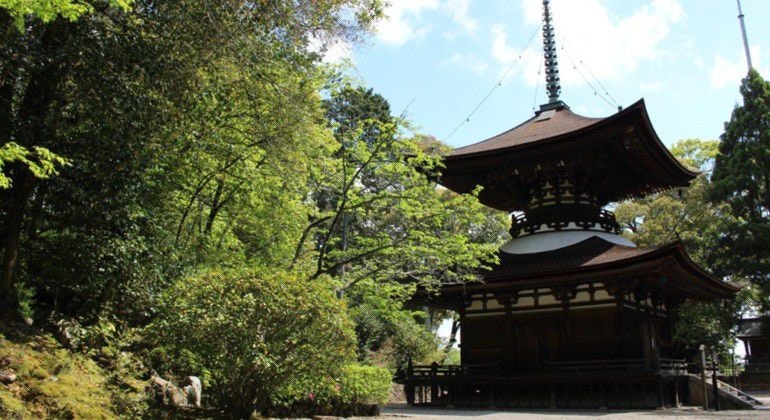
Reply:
x=48, y=10
x=41, y=162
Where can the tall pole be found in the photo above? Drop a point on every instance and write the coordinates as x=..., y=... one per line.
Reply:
x=745, y=38
x=552, y=84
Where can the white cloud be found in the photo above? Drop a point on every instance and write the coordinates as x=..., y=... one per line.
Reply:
x=458, y=9
x=729, y=72
x=403, y=21
x=528, y=61
x=468, y=61
x=611, y=46
x=655, y=86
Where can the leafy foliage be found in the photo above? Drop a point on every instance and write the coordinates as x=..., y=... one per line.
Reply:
x=48, y=10
x=354, y=386
x=41, y=162
x=690, y=217
x=251, y=332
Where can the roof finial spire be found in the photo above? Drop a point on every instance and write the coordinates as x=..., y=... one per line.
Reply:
x=551, y=63
x=552, y=84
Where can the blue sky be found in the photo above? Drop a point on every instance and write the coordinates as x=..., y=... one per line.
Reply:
x=439, y=58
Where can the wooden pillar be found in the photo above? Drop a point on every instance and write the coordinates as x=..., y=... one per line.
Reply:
x=508, y=359
x=621, y=327
x=603, y=396
x=677, y=401
x=433, y=382
x=463, y=341
x=705, y=394
x=661, y=402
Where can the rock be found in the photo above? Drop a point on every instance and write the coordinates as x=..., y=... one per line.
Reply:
x=170, y=395
x=193, y=389
x=7, y=377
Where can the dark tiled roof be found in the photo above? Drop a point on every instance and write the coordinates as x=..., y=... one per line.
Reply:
x=621, y=155
x=591, y=252
x=545, y=125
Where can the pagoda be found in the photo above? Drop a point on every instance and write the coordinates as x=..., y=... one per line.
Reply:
x=574, y=314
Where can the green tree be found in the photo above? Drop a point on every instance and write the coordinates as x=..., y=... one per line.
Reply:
x=115, y=92
x=683, y=214
x=383, y=219
x=687, y=215
x=382, y=227
x=742, y=179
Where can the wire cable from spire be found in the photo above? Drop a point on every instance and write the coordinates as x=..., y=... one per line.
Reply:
x=611, y=102
x=537, y=84
x=499, y=83
x=569, y=46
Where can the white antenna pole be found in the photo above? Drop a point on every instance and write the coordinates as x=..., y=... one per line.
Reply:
x=745, y=38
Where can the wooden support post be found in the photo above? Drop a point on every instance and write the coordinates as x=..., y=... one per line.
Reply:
x=508, y=359
x=603, y=402
x=705, y=394
x=553, y=395
x=433, y=384
x=677, y=401
x=661, y=402
x=715, y=381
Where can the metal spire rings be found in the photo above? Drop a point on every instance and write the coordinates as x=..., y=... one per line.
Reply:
x=551, y=64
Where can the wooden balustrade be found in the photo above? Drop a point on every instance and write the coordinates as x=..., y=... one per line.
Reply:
x=665, y=366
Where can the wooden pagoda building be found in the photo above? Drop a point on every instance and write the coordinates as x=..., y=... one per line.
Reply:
x=574, y=314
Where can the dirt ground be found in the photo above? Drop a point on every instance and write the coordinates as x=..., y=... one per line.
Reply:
x=401, y=411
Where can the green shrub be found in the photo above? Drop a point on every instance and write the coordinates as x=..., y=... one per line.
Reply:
x=355, y=390
x=250, y=332
x=365, y=384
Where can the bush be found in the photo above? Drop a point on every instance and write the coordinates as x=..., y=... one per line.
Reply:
x=365, y=384
x=356, y=390
x=249, y=332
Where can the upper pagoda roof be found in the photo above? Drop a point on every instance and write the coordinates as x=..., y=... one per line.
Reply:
x=544, y=125
x=622, y=154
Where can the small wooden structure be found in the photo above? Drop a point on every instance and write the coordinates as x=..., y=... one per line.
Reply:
x=574, y=314
x=755, y=335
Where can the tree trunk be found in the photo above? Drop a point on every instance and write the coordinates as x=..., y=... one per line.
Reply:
x=32, y=130
x=215, y=206
x=23, y=184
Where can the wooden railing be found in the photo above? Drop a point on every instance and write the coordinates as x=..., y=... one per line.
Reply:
x=671, y=366
x=757, y=364
x=436, y=370
x=668, y=366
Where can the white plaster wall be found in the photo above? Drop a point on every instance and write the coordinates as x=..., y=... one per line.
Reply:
x=541, y=242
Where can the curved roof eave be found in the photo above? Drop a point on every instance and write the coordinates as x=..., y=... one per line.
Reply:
x=674, y=249
x=636, y=110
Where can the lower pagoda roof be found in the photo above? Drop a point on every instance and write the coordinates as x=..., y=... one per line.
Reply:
x=598, y=260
